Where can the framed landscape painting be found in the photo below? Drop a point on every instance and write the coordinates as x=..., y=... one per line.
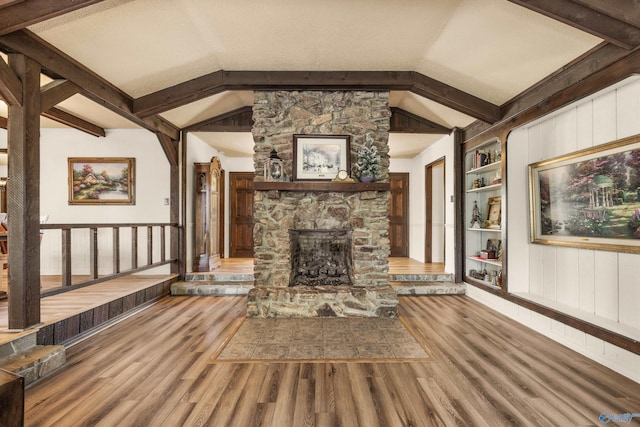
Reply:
x=100, y=181
x=588, y=199
x=320, y=157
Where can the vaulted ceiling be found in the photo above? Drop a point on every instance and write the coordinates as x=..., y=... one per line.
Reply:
x=166, y=65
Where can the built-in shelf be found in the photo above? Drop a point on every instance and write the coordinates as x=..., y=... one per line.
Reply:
x=486, y=261
x=485, y=188
x=323, y=186
x=494, y=230
x=486, y=168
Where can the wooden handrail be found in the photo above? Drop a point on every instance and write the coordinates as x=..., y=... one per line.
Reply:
x=94, y=277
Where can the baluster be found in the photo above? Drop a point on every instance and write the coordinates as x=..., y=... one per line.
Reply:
x=149, y=245
x=66, y=256
x=134, y=247
x=116, y=250
x=93, y=252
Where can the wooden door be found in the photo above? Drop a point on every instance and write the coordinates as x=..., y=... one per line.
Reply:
x=241, y=211
x=434, y=250
x=399, y=214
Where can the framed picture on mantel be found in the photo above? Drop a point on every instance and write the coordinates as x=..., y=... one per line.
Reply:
x=320, y=157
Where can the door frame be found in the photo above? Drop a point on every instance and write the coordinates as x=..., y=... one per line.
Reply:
x=428, y=196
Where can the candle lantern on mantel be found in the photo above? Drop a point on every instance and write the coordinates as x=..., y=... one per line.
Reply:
x=274, y=167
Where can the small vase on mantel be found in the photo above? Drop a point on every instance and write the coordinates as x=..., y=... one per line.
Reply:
x=367, y=179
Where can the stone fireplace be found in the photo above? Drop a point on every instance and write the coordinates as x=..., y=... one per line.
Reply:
x=351, y=225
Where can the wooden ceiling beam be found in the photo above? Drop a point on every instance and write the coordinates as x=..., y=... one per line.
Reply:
x=17, y=15
x=584, y=17
x=623, y=10
x=220, y=81
x=403, y=121
x=55, y=92
x=169, y=147
x=3, y=122
x=57, y=64
x=605, y=65
x=455, y=99
x=73, y=121
x=238, y=120
x=10, y=85
x=241, y=120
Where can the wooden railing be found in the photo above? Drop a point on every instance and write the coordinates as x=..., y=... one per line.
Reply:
x=162, y=257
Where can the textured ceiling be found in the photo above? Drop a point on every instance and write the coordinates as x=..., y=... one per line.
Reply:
x=491, y=49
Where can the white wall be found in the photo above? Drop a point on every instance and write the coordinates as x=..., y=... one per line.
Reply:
x=597, y=286
x=417, y=214
x=200, y=152
x=151, y=189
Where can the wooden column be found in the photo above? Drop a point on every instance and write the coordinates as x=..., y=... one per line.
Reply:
x=24, y=197
x=175, y=239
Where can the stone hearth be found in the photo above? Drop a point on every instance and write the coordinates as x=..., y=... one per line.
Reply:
x=323, y=301
x=277, y=117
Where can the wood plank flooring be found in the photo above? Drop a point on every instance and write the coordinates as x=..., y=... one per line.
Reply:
x=157, y=369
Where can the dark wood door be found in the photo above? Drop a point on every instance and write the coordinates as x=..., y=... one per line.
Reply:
x=399, y=214
x=241, y=211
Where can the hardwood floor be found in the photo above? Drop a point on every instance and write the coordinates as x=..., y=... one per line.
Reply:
x=157, y=369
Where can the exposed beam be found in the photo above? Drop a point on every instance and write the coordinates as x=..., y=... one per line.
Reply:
x=3, y=122
x=624, y=10
x=573, y=74
x=55, y=92
x=405, y=122
x=239, y=120
x=219, y=81
x=17, y=15
x=585, y=18
x=73, y=121
x=6, y=3
x=10, y=85
x=170, y=148
x=57, y=64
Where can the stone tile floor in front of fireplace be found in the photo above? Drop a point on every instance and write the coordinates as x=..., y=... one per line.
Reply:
x=324, y=338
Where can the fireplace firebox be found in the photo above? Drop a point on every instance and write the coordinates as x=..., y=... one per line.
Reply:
x=320, y=257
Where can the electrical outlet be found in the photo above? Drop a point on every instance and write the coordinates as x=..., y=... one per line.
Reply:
x=166, y=201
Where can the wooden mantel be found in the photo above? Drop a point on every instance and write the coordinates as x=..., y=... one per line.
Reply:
x=322, y=186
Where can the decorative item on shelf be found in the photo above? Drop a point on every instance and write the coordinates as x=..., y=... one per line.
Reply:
x=499, y=278
x=497, y=178
x=487, y=254
x=476, y=218
x=367, y=164
x=274, y=168
x=343, y=176
x=494, y=278
x=494, y=213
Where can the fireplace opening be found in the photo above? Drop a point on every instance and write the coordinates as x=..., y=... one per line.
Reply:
x=320, y=257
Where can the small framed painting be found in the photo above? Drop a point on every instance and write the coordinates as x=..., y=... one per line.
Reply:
x=320, y=157
x=101, y=181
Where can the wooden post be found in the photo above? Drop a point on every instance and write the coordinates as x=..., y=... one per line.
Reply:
x=93, y=252
x=116, y=250
x=24, y=197
x=66, y=257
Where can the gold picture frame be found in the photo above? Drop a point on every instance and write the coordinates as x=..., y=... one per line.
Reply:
x=494, y=213
x=101, y=180
x=589, y=198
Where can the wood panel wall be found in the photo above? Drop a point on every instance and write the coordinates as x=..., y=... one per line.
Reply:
x=599, y=287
